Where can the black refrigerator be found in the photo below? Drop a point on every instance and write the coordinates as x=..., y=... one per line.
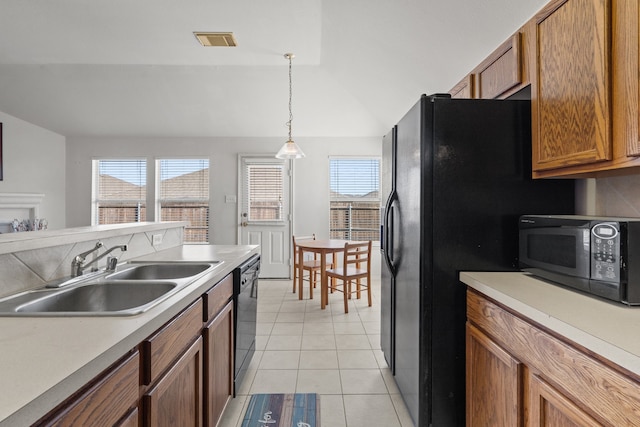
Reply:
x=456, y=175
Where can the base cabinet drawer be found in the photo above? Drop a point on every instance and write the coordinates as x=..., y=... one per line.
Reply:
x=104, y=402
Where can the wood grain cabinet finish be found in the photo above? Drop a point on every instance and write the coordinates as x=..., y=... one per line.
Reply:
x=218, y=349
x=217, y=297
x=501, y=71
x=163, y=347
x=550, y=408
x=571, y=111
x=562, y=385
x=176, y=398
x=493, y=374
x=105, y=402
x=218, y=364
x=464, y=89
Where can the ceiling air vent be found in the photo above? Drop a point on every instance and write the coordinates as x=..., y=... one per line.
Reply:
x=216, y=39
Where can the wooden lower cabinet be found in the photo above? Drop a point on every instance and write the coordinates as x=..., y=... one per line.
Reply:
x=107, y=401
x=218, y=364
x=176, y=399
x=496, y=376
x=520, y=374
x=131, y=420
x=550, y=408
x=181, y=375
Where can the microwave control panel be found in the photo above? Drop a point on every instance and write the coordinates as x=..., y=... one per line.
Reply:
x=605, y=252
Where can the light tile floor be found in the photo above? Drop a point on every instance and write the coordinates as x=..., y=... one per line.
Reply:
x=303, y=349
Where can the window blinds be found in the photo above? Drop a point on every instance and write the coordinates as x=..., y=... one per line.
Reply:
x=354, y=178
x=354, y=198
x=120, y=191
x=183, y=195
x=265, y=192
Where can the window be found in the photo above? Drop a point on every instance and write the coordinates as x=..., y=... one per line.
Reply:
x=265, y=191
x=354, y=198
x=183, y=195
x=119, y=191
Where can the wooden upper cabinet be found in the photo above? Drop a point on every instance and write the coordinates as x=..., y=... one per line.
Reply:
x=464, y=88
x=571, y=111
x=501, y=71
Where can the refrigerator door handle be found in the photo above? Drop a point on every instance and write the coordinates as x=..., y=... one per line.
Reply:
x=388, y=232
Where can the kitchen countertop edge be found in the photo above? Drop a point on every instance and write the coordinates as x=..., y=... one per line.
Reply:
x=602, y=327
x=117, y=346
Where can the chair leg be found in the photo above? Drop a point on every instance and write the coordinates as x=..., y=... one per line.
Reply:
x=312, y=283
x=346, y=300
x=295, y=278
x=369, y=292
x=358, y=288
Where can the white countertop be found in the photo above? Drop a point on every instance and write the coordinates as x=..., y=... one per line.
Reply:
x=43, y=360
x=607, y=328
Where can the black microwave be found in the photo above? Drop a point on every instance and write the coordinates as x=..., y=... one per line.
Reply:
x=596, y=255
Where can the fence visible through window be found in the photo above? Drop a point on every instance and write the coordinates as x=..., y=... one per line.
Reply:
x=183, y=195
x=354, y=198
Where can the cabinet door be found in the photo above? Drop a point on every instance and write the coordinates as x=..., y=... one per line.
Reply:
x=571, y=115
x=464, y=89
x=176, y=399
x=218, y=365
x=549, y=408
x=130, y=420
x=493, y=383
x=501, y=71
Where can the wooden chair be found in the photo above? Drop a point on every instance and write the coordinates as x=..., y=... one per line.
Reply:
x=356, y=265
x=311, y=265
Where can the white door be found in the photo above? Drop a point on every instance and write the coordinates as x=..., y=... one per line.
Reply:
x=265, y=212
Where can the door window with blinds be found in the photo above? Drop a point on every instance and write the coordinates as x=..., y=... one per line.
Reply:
x=119, y=191
x=265, y=192
x=182, y=194
x=354, y=198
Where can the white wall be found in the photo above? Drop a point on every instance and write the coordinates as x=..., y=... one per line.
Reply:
x=34, y=162
x=310, y=176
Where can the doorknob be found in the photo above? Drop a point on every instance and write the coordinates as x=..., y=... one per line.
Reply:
x=244, y=223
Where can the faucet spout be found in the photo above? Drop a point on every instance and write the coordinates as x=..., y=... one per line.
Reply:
x=78, y=266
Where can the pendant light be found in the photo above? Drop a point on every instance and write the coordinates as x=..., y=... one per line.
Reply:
x=290, y=149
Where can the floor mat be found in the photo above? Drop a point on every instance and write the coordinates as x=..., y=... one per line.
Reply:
x=283, y=410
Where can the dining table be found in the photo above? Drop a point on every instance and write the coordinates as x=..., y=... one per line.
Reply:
x=322, y=248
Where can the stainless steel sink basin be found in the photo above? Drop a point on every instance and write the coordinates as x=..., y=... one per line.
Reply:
x=108, y=296
x=131, y=290
x=164, y=271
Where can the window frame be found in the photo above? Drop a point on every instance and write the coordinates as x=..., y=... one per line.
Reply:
x=375, y=231
x=158, y=200
x=95, y=187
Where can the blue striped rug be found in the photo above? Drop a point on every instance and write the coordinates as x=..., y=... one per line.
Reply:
x=283, y=410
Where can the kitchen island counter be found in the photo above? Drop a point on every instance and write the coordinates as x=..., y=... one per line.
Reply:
x=605, y=328
x=43, y=360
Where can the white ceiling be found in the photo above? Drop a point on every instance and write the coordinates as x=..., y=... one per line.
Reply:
x=134, y=68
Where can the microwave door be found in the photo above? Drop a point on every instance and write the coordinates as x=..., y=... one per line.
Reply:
x=557, y=252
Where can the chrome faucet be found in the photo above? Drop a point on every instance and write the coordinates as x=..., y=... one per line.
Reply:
x=78, y=265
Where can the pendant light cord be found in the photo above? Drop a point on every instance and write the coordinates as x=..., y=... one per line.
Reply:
x=290, y=56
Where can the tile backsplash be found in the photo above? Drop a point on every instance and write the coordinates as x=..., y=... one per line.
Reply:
x=618, y=196
x=28, y=269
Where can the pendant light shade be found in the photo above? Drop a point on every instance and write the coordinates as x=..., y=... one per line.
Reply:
x=290, y=149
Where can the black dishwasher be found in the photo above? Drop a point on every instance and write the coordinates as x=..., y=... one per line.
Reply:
x=245, y=305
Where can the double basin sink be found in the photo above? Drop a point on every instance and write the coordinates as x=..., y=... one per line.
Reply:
x=130, y=290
